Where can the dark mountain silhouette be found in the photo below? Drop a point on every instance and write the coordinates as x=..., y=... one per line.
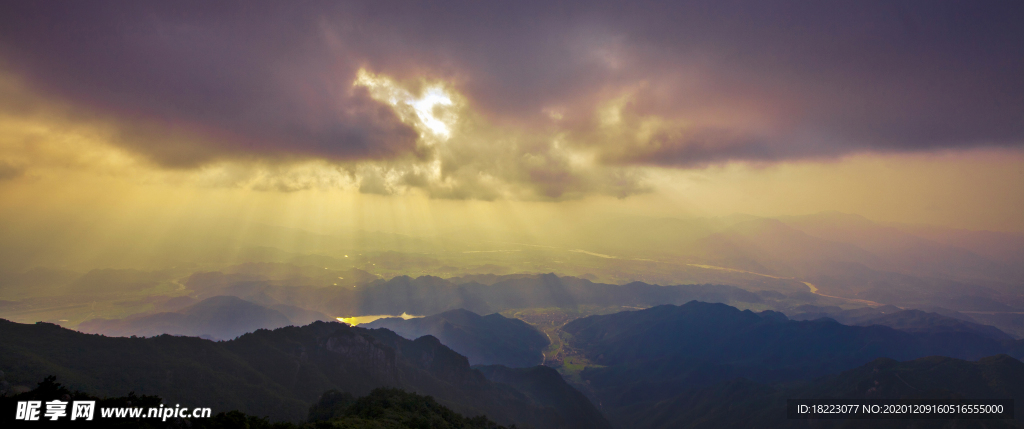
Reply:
x=650, y=354
x=546, y=386
x=726, y=334
x=390, y=408
x=915, y=321
x=219, y=317
x=275, y=373
x=382, y=407
x=484, y=340
x=50, y=389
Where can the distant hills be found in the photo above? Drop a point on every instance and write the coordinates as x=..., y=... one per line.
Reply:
x=825, y=259
x=645, y=357
x=428, y=295
x=922, y=292
x=914, y=321
x=484, y=340
x=219, y=318
x=725, y=334
x=275, y=373
x=486, y=294
x=844, y=255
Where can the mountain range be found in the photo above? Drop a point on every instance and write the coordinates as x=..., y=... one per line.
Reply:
x=916, y=321
x=428, y=295
x=218, y=318
x=276, y=373
x=484, y=340
x=642, y=358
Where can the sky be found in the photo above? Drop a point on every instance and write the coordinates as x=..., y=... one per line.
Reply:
x=419, y=117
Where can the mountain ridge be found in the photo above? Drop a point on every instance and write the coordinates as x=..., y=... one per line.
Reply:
x=484, y=340
x=278, y=373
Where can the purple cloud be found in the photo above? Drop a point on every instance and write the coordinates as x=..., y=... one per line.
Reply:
x=743, y=80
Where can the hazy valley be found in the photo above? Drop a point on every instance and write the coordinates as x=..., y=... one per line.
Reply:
x=553, y=333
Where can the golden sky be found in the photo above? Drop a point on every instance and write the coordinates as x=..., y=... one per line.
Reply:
x=60, y=165
x=338, y=121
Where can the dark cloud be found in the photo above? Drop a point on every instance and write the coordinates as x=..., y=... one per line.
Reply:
x=199, y=81
x=729, y=80
x=10, y=170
